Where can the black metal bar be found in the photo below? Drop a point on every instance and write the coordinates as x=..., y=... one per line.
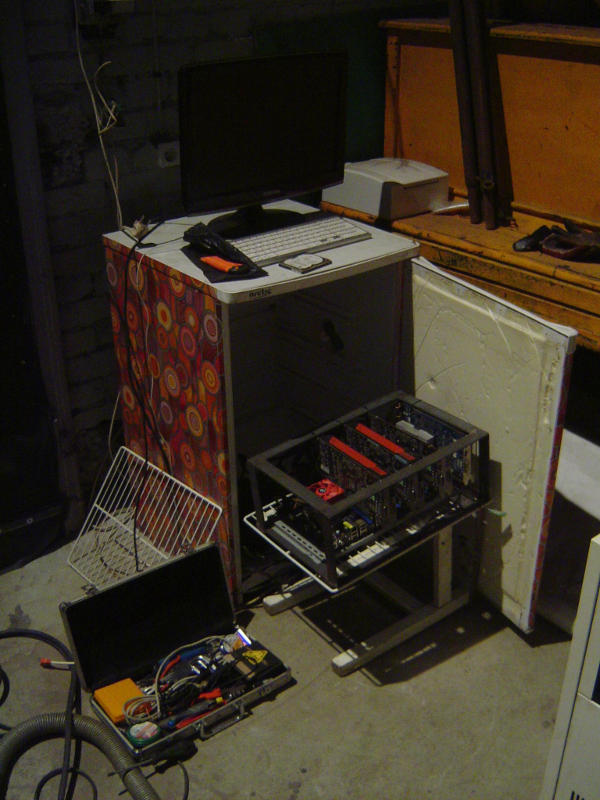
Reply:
x=476, y=37
x=327, y=531
x=256, y=498
x=465, y=108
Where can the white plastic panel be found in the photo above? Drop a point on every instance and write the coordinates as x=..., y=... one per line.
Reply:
x=580, y=773
x=578, y=716
x=503, y=369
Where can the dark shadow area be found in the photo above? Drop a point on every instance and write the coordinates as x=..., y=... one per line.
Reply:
x=464, y=629
x=560, y=51
x=574, y=12
x=571, y=528
x=496, y=533
x=359, y=34
x=543, y=634
x=31, y=513
x=360, y=614
x=584, y=395
x=570, y=532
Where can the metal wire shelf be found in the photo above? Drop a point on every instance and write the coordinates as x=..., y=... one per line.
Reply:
x=141, y=517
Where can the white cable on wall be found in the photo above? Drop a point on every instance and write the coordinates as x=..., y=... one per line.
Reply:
x=102, y=125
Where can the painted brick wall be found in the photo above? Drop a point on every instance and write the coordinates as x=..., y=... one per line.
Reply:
x=145, y=45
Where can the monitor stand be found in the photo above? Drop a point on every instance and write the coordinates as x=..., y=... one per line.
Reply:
x=253, y=219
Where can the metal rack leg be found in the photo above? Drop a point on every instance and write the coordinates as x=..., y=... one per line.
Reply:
x=418, y=617
x=391, y=637
x=442, y=567
x=445, y=602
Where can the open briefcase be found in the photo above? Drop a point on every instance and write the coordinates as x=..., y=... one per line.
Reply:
x=163, y=657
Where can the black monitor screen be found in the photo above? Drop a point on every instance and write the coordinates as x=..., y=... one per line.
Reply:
x=260, y=129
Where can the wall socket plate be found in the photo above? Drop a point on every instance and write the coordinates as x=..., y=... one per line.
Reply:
x=168, y=154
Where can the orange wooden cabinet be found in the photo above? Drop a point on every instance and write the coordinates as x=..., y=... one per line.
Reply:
x=421, y=111
x=545, y=88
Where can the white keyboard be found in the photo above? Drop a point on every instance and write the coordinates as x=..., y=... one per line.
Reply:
x=306, y=237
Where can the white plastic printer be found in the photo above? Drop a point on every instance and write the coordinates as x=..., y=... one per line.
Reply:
x=390, y=188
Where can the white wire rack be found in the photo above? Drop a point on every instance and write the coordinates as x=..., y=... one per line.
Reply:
x=141, y=517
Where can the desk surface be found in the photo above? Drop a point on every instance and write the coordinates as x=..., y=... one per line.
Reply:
x=381, y=249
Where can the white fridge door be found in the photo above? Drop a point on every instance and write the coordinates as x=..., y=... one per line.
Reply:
x=506, y=371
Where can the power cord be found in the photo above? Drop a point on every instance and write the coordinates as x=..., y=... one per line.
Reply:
x=73, y=706
x=72, y=726
x=55, y=772
x=149, y=420
x=5, y=683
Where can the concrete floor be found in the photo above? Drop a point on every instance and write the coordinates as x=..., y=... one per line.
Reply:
x=463, y=710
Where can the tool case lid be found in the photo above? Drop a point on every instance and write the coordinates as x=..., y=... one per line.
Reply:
x=124, y=630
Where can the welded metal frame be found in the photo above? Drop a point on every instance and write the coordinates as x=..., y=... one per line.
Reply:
x=333, y=570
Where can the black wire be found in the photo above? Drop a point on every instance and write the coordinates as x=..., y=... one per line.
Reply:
x=186, y=782
x=73, y=706
x=137, y=501
x=62, y=790
x=55, y=772
x=148, y=417
x=137, y=388
x=5, y=692
x=145, y=472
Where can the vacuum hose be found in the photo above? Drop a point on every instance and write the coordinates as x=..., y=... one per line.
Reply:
x=52, y=726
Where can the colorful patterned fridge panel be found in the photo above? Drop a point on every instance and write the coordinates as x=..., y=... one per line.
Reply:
x=167, y=331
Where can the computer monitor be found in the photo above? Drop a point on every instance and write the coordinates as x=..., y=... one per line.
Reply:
x=255, y=130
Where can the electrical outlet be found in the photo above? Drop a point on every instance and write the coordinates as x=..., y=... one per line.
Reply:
x=168, y=154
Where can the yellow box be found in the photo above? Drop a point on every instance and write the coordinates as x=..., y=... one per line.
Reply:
x=112, y=697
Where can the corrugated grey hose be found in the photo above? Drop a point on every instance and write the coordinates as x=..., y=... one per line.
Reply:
x=52, y=726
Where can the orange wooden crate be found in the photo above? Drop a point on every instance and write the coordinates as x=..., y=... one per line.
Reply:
x=545, y=84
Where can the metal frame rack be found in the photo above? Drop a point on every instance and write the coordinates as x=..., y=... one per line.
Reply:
x=397, y=471
x=340, y=521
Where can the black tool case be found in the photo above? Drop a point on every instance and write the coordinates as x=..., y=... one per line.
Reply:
x=130, y=628
x=358, y=492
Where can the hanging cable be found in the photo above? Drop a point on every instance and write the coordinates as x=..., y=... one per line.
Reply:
x=103, y=125
x=148, y=417
x=112, y=424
